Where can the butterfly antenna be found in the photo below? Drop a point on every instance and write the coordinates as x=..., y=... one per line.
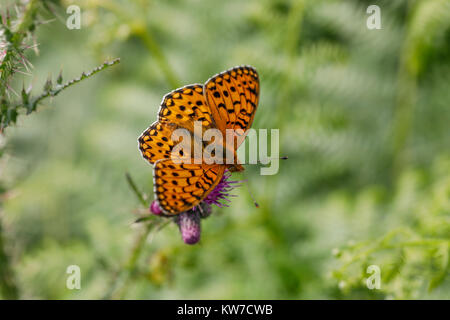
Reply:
x=251, y=195
x=260, y=163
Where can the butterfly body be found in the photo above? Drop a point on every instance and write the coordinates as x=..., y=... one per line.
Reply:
x=227, y=102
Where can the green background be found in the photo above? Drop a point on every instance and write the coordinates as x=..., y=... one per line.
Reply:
x=363, y=116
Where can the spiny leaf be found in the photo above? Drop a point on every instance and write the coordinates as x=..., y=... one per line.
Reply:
x=54, y=92
x=48, y=84
x=25, y=96
x=59, y=80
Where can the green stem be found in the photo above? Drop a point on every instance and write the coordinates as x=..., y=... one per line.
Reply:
x=134, y=188
x=152, y=46
x=403, y=117
x=8, y=286
x=31, y=106
x=139, y=29
x=122, y=279
x=292, y=38
x=291, y=41
x=406, y=97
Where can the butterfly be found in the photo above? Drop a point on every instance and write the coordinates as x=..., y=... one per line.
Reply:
x=227, y=100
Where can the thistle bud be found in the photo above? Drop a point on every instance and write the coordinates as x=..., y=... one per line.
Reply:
x=189, y=225
x=155, y=209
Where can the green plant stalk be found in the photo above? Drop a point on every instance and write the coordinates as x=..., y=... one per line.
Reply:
x=8, y=286
x=155, y=50
x=291, y=40
x=121, y=280
x=30, y=103
x=425, y=22
x=404, y=113
x=294, y=22
x=139, y=195
x=31, y=106
x=139, y=29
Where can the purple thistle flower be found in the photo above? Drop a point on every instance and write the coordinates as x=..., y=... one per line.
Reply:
x=222, y=191
x=189, y=224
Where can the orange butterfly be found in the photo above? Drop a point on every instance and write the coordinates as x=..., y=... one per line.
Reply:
x=228, y=100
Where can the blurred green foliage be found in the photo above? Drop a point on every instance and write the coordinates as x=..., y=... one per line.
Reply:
x=16, y=35
x=363, y=116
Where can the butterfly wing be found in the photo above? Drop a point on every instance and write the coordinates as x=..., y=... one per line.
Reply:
x=179, y=187
x=186, y=105
x=233, y=98
x=179, y=109
x=227, y=101
x=155, y=142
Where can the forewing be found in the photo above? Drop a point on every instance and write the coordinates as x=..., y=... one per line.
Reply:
x=186, y=105
x=233, y=98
